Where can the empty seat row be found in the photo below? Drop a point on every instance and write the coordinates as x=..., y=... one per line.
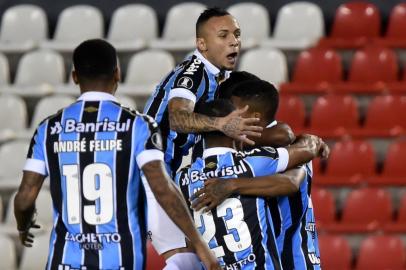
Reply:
x=375, y=252
x=363, y=210
x=335, y=116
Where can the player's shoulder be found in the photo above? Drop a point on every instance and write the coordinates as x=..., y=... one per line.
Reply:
x=191, y=71
x=262, y=151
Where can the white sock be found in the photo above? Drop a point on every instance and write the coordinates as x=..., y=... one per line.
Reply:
x=183, y=261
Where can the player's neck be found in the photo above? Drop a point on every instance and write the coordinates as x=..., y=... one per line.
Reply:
x=99, y=87
x=217, y=141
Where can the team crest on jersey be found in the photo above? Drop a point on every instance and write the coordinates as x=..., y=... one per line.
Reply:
x=269, y=149
x=91, y=109
x=211, y=165
x=185, y=82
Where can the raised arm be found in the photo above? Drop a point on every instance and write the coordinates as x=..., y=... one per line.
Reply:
x=171, y=200
x=24, y=205
x=216, y=190
x=279, y=135
x=182, y=119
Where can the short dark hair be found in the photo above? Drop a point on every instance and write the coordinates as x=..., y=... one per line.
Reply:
x=259, y=95
x=216, y=108
x=95, y=59
x=207, y=15
x=226, y=88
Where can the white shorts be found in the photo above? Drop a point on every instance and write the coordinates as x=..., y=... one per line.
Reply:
x=165, y=234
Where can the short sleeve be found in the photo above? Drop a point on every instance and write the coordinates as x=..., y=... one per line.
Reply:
x=147, y=139
x=267, y=160
x=36, y=161
x=188, y=81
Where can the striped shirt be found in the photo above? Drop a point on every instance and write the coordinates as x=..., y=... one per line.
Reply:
x=92, y=151
x=240, y=230
x=194, y=79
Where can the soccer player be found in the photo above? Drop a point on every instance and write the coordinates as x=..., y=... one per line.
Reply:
x=239, y=231
x=293, y=215
x=93, y=152
x=172, y=105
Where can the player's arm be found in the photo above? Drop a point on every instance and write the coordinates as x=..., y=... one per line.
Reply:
x=182, y=119
x=171, y=200
x=24, y=205
x=216, y=190
x=278, y=135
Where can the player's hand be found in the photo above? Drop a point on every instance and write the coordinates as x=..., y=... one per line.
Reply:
x=214, y=192
x=238, y=128
x=207, y=256
x=324, y=151
x=26, y=237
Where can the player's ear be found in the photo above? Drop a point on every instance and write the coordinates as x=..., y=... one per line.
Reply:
x=75, y=77
x=117, y=74
x=201, y=44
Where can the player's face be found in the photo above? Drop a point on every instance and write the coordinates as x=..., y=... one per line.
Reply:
x=221, y=42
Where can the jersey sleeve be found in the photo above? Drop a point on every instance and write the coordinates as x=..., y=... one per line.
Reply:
x=187, y=83
x=268, y=160
x=147, y=139
x=36, y=160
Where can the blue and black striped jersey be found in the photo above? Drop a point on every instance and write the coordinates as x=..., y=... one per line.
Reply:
x=92, y=151
x=195, y=80
x=240, y=230
x=295, y=227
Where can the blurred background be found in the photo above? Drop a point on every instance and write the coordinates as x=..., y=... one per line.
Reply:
x=340, y=67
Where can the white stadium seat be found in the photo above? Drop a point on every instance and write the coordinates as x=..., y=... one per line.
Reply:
x=36, y=257
x=12, y=158
x=8, y=256
x=13, y=116
x=4, y=70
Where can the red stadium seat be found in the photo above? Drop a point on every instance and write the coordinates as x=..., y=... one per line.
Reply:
x=384, y=116
x=372, y=68
x=355, y=23
x=381, y=252
x=334, y=116
x=324, y=206
x=365, y=210
x=398, y=226
x=314, y=71
x=335, y=252
x=396, y=31
x=154, y=261
x=291, y=110
x=349, y=163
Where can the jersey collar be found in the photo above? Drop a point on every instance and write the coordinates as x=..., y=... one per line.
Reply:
x=215, y=151
x=96, y=96
x=212, y=68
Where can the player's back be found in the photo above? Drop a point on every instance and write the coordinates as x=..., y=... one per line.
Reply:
x=239, y=231
x=98, y=198
x=295, y=229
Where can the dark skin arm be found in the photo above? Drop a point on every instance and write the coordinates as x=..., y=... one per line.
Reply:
x=171, y=200
x=24, y=205
x=216, y=190
x=279, y=135
x=182, y=119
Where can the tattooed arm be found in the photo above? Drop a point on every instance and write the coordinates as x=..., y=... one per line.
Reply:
x=171, y=200
x=216, y=190
x=182, y=119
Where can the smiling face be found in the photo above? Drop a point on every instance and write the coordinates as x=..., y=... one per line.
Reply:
x=220, y=42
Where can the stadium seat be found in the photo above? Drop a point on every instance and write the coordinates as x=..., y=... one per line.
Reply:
x=132, y=27
x=144, y=74
x=13, y=116
x=291, y=110
x=12, y=158
x=350, y=162
x=396, y=31
x=253, y=18
x=76, y=24
x=381, y=252
x=4, y=71
x=52, y=69
x=335, y=252
x=48, y=106
x=371, y=69
x=36, y=257
x=365, y=210
x=324, y=206
x=382, y=116
x=344, y=111
x=8, y=256
x=179, y=30
x=299, y=25
x=399, y=224
x=355, y=24
x=314, y=72
x=154, y=261
x=22, y=28
x=268, y=64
